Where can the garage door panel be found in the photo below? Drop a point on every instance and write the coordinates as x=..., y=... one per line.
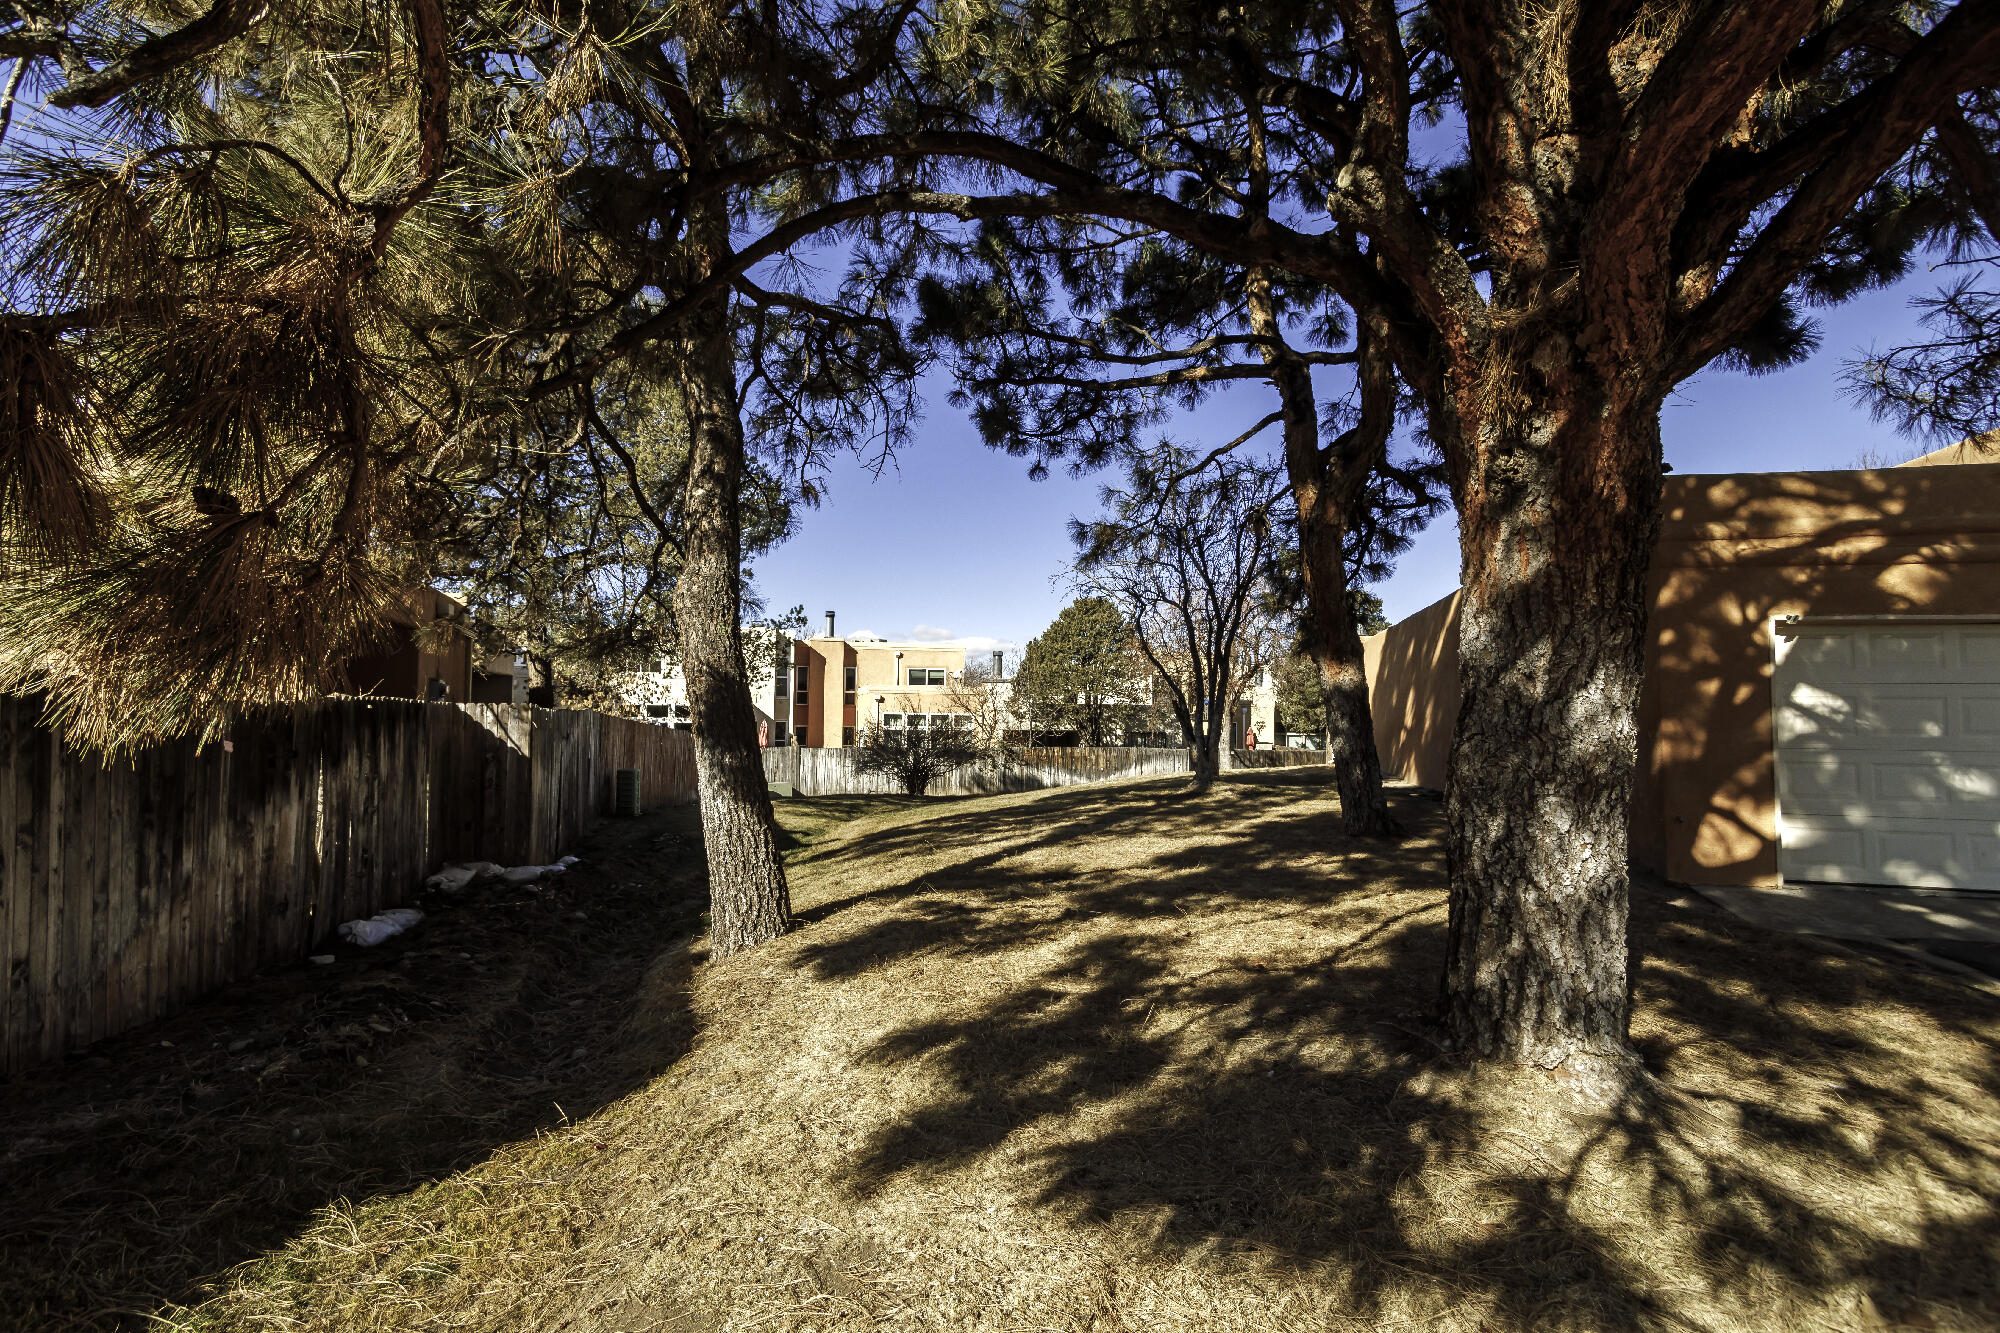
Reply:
x=1939, y=781
x=1824, y=656
x=1979, y=650
x=1888, y=755
x=1820, y=718
x=1895, y=654
x=1824, y=776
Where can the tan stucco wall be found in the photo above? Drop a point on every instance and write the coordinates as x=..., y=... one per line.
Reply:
x=875, y=672
x=1975, y=449
x=1413, y=692
x=1736, y=551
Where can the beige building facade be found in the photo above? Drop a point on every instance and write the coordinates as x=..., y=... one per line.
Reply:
x=1822, y=691
x=839, y=687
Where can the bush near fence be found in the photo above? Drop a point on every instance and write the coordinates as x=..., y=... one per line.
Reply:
x=130, y=888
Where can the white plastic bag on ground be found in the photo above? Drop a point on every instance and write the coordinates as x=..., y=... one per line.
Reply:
x=372, y=931
x=462, y=876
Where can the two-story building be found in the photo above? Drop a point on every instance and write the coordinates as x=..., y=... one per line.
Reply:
x=819, y=691
x=838, y=687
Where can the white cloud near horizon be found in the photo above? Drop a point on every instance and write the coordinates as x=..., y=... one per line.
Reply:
x=972, y=643
x=977, y=643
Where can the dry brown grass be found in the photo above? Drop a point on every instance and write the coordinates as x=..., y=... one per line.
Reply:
x=1126, y=1058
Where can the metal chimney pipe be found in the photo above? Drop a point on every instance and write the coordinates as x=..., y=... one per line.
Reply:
x=829, y=624
x=999, y=670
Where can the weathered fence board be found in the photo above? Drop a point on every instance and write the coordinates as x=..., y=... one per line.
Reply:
x=129, y=888
x=830, y=772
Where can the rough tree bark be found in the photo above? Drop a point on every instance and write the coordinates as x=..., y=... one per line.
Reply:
x=1324, y=488
x=749, y=900
x=1558, y=515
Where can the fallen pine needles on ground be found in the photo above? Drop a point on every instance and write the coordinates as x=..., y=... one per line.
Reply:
x=1126, y=1057
x=157, y=1160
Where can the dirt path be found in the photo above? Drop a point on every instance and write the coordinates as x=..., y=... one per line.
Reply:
x=160, y=1158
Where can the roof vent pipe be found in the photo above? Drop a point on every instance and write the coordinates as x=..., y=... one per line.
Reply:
x=829, y=624
x=999, y=669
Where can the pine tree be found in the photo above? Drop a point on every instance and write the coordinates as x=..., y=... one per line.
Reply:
x=1606, y=199
x=1081, y=676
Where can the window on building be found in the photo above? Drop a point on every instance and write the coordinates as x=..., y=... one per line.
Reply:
x=847, y=735
x=804, y=680
x=784, y=686
x=658, y=710
x=777, y=731
x=680, y=710
x=926, y=675
x=847, y=684
x=892, y=721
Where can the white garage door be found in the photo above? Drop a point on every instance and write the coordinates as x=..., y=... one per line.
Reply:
x=1888, y=751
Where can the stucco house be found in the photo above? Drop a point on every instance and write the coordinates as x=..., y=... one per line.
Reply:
x=426, y=653
x=817, y=691
x=1822, y=690
x=840, y=686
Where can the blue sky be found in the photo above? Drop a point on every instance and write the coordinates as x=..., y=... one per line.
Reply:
x=956, y=543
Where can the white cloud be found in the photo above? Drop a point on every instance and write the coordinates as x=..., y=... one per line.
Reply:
x=930, y=634
x=979, y=643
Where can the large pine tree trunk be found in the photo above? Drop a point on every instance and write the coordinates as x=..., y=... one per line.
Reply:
x=1331, y=637
x=1334, y=641
x=749, y=901
x=1558, y=512
x=1350, y=729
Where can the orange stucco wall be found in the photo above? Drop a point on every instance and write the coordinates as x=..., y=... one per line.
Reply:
x=1736, y=551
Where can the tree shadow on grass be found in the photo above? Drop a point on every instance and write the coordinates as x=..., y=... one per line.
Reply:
x=161, y=1158
x=1200, y=1025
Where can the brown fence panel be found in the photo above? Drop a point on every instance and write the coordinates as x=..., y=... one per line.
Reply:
x=128, y=889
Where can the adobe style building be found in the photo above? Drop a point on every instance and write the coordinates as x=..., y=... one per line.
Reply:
x=838, y=687
x=1822, y=691
x=818, y=692
x=427, y=654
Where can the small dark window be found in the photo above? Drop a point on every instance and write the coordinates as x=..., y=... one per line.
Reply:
x=784, y=683
x=658, y=710
x=847, y=735
x=926, y=675
x=848, y=683
x=803, y=680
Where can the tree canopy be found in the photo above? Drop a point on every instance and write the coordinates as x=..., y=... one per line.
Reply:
x=1081, y=675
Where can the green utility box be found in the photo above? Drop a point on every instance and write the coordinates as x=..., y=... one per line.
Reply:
x=625, y=798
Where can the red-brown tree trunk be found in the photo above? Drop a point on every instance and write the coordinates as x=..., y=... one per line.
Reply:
x=1331, y=637
x=1558, y=512
x=749, y=900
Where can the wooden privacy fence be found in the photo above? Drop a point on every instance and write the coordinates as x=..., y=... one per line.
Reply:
x=129, y=888
x=830, y=772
